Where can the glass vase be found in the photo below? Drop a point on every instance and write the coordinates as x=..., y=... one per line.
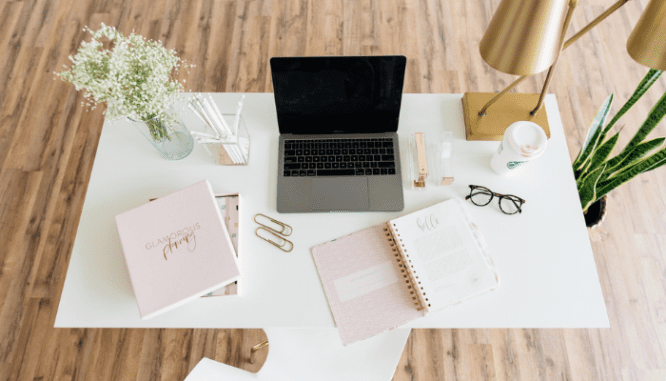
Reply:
x=168, y=135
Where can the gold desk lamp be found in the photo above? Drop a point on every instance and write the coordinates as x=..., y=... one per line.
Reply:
x=524, y=37
x=647, y=42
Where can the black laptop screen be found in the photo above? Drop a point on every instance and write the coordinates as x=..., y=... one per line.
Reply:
x=325, y=95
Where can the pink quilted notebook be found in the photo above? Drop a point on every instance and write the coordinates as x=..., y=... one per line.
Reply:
x=385, y=276
x=176, y=248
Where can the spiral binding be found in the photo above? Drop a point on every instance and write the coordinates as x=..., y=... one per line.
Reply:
x=408, y=272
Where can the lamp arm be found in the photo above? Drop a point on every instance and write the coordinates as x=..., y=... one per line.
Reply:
x=515, y=83
x=549, y=77
x=568, y=42
x=595, y=22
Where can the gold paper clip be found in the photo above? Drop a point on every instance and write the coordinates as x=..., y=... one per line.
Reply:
x=281, y=245
x=286, y=229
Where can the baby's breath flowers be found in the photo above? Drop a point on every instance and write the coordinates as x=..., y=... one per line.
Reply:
x=136, y=77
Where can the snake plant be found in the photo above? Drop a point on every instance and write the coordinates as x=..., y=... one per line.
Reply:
x=596, y=172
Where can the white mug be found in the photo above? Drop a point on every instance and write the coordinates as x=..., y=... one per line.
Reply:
x=523, y=141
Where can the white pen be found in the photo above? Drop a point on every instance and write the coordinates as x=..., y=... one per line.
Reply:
x=197, y=103
x=201, y=140
x=217, y=110
x=197, y=113
x=238, y=112
x=204, y=135
x=213, y=116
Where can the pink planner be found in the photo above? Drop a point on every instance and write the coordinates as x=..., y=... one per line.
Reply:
x=387, y=275
x=176, y=248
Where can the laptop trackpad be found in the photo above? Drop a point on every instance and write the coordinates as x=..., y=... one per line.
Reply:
x=340, y=193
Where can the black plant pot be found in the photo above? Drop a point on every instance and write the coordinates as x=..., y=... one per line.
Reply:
x=595, y=213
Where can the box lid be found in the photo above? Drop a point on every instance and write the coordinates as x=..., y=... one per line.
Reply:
x=176, y=248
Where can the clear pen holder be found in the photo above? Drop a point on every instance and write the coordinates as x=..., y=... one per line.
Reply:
x=229, y=149
x=438, y=153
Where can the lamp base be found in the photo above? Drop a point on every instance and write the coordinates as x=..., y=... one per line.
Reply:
x=510, y=108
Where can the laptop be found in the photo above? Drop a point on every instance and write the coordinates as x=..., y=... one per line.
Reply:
x=338, y=120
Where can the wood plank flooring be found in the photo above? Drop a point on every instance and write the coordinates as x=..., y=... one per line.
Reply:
x=48, y=142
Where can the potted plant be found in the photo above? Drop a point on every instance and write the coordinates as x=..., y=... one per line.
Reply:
x=597, y=173
x=137, y=79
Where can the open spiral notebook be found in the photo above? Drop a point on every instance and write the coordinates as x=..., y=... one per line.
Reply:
x=385, y=276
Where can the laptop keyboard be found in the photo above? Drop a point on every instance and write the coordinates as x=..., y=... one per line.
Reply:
x=339, y=157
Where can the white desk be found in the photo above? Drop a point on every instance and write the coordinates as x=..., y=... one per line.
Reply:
x=544, y=258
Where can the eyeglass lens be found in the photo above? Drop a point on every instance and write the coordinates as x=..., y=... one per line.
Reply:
x=509, y=204
x=481, y=196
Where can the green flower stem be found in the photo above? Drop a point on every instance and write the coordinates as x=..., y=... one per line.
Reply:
x=158, y=129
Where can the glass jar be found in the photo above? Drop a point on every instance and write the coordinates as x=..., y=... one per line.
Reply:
x=168, y=135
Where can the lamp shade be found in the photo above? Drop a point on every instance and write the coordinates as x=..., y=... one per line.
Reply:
x=524, y=37
x=647, y=42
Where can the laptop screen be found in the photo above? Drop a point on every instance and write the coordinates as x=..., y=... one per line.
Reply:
x=327, y=95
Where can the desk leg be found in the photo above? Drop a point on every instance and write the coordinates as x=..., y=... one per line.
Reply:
x=255, y=349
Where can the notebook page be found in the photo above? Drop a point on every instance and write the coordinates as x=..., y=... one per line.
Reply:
x=446, y=252
x=363, y=284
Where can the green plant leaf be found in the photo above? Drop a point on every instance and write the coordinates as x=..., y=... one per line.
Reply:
x=656, y=165
x=647, y=81
x=601, y=154
x=626, y=159
x=644, y=165
x=654, y=117
x=587, y=190
x=583, y=179
x=593, y=134
x=595, y=175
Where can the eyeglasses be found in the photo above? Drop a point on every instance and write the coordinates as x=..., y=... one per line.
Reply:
x=481, y=196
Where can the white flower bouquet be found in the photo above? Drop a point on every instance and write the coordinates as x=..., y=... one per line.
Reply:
x=136, y=77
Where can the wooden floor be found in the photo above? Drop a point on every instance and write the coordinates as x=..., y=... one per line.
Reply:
x=48, y=142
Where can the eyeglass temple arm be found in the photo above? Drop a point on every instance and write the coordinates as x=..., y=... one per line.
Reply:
x=520, y=210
